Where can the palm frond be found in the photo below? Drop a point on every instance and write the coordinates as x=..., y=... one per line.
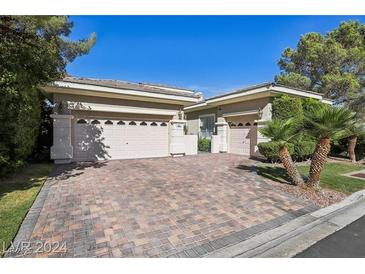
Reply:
x=327, y=121
x=281, y=131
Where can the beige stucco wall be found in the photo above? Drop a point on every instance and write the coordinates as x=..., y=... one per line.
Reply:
x=117, y=102
x=192, y=119
x=244, y=106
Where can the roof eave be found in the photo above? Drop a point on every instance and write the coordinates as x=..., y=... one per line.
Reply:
x=65, y=87
x=265, y=90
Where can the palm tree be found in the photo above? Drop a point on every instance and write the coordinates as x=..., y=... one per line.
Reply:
x=325, y=123
x=282, y=132
x=355, y=130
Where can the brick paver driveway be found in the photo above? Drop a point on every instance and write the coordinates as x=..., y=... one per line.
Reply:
x=182, y=207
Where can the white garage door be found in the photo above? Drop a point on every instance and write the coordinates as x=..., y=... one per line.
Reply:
x=98, y=139
x=242, y=138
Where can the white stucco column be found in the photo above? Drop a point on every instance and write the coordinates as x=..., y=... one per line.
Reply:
x=62, y=150
x=177, y=143
x=266, y=116
x=222, y=133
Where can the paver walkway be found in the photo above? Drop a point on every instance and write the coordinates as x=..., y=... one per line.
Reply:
x=165, y=207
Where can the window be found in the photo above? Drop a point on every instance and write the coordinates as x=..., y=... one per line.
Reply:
x=232, y=124
x=81, y=121
x=108, y=122
x=206, y=126
x=255, y=124
x=95, y=122
x=143, y=123
x=132, y=123
x=247, y=124
x=240, y=125
x=121, y=123
x=153, y=124
x=163, y=124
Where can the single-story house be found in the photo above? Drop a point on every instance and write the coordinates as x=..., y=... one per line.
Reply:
x=107, y=119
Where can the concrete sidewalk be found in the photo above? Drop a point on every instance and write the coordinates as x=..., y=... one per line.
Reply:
x=299, y=234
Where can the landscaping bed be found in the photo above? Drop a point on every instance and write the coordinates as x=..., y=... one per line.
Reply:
x=334, y=186
x=17, y=194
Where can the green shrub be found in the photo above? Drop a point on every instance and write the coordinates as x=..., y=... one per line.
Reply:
x=303, y=149
x=309, y=103
x=299, y=150
x=285, y=107
x=204, y=144
x=270, y=150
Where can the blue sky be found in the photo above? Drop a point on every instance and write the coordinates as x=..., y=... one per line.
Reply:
x=213, y=54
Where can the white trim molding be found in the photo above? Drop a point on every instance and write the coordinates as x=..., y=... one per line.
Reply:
x=241, y=113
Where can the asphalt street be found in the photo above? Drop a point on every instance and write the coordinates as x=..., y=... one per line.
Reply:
x=348, y=242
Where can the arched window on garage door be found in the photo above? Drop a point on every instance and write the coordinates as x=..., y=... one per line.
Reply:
x=132, y=123
x=81, y=121
x=121, y=123
x=248, y=124
x=108, y=122
x=143, y=123
x=95, y=122
x=153, y=124
x=240, y=125
x=163, y=124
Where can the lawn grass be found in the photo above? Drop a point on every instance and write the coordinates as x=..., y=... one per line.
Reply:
x=17, y=194
x=331, y=176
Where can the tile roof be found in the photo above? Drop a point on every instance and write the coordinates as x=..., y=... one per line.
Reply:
x=154, y=88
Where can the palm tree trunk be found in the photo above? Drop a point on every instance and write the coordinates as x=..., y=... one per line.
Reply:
x=351, y=148
x=319, y=159
x=292, y=171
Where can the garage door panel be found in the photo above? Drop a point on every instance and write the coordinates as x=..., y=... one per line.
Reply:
x=240, y=140
x=146, y=141
x=119, y=141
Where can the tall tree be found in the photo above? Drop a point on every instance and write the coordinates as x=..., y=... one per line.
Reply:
x=332, y=64
x=282, y=132
x=34, y=50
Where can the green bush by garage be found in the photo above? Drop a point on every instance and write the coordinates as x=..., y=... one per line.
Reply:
x=286, y=107
x=204, y=144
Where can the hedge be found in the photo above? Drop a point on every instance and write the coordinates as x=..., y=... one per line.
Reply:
x=300, y=150
x=285, y=107
x=271, y=150
x=303, y=149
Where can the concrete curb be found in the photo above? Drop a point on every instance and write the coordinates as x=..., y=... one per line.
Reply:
x=297, y=235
